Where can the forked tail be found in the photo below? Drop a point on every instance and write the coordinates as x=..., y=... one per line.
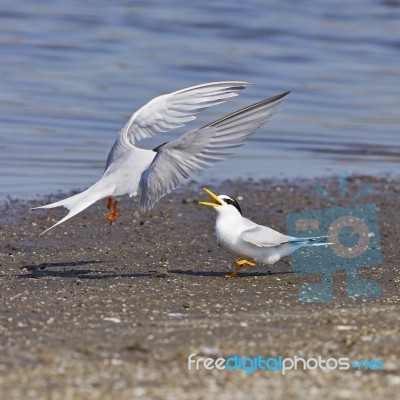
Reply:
x=77, y=203
x=310, y=241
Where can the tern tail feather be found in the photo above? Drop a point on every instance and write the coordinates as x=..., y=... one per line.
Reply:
x=78, y=202
x=295, y=244
x=310, y=241
x=298, y=243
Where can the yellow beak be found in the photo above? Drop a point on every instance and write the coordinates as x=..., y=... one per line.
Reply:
x=213, y=196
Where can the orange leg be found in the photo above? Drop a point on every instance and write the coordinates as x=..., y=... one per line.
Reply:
x=112, y=206
x=109, y=203
x=239, y=265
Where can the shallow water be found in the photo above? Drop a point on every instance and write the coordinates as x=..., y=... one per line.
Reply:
x=72, y=72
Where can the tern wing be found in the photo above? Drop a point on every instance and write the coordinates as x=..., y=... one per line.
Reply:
x=201, y=148
x=173, y=110
x=262, y=236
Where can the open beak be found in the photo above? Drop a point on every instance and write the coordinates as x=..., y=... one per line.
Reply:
x=214, y=197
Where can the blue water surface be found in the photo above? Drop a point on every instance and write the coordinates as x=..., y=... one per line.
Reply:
x=72, y=72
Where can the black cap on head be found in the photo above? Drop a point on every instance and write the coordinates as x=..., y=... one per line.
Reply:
x=231, y=201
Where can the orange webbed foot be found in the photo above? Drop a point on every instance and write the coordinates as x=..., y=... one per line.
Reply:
x=239, y=265
x=112, y=206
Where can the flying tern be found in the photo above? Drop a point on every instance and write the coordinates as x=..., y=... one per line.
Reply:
x=154, y=173
x=251, y=242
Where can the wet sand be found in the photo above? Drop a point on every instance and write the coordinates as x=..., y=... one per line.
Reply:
x=90, y=311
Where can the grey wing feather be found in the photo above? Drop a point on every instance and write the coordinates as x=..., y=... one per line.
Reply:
x=201, y=148
x=262, y=236
x=173, y=110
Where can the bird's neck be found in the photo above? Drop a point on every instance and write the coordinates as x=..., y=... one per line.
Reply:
x=227, y=219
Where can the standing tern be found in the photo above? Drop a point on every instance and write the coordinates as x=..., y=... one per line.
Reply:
x=248, y=240
x=154, y=173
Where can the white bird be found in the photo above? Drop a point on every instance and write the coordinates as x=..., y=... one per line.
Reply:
x=249, y=241
x=154, y=173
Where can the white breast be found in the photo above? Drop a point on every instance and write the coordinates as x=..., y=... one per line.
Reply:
x=229, y=230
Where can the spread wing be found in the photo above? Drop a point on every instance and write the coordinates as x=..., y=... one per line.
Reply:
x=173, y=110
x=262, y=236
x=201, y=148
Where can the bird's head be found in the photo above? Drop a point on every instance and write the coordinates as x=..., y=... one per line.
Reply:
x=223, y=204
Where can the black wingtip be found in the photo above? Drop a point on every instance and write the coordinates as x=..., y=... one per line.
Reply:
x=279, y=96
x=159, y=147
x=275, y=100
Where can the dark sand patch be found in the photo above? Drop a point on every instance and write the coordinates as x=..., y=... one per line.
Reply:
x=90, y=311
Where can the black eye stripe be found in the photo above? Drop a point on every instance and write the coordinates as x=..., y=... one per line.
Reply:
x=233, y=202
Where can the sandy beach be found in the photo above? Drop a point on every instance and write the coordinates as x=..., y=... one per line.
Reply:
x=90, y=311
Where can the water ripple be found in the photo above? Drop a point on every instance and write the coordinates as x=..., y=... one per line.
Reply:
x=73, y=72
